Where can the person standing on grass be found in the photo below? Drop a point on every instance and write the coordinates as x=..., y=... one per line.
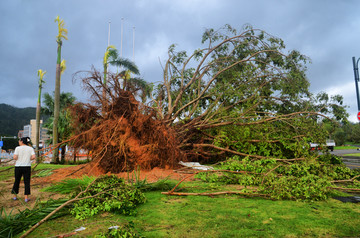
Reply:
x=23, y=155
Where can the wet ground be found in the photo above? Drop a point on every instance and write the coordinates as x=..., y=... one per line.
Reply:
x=353, y=162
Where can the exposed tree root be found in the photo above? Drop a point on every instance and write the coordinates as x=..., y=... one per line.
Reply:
x=123, y=134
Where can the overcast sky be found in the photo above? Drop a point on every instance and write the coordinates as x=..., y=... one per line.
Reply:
x=327, y=31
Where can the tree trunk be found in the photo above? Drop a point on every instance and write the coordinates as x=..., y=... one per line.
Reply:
x=37, y=134
x=55, y=158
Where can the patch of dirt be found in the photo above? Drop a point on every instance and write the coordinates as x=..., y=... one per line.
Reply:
x=38, y=183
x=91, y=169
x=14, y=207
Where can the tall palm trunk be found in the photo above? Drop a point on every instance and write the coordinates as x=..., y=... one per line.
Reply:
x=62, y=34
x=37, y=136
x=57, y=105
x=38, y=109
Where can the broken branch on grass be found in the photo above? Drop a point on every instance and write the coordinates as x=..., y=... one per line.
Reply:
x=77, y=198
x=346, y=180
x=270, y=172
x=346, y=189
x=212, y=171
x=228, y=150
x=209, y=171
x=3, y=170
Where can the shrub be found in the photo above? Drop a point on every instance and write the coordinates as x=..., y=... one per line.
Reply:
x=108, y=193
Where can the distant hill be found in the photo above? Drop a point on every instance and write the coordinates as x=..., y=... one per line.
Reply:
x=13, y=119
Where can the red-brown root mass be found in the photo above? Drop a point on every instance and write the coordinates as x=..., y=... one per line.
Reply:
x=124, y=134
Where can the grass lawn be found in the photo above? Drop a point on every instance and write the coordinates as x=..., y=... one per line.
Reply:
x=218, y=216
x=355, y=154
x=347, y=147
x=221, y=216
x=8, y=171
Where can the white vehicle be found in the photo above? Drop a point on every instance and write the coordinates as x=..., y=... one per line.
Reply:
x=330, y=144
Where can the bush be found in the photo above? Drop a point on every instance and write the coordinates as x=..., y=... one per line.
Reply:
x=108, y=193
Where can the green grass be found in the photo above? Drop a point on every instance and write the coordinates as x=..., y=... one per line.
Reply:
x=70, y=185
x=218, y=216
x=346, y=147
x=221, y=216
x=7, y=172
x=351, y=143
x=355, y=154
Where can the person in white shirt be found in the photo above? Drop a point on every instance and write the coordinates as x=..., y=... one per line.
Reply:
x=23, y=155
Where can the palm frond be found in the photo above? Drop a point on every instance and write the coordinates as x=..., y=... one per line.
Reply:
x=41, y=74
x=110, y=51
x=139, y=87
x=62, y=31
x=48, y=101
x=70, y=185
x=126, y=63
x=112, y=54
x=62, y=66
x=13, y=224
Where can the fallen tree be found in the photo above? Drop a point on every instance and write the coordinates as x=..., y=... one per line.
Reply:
x=240, y=95
x=312, y=179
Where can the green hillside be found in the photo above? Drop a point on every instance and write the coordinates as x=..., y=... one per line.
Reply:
x=13, y=119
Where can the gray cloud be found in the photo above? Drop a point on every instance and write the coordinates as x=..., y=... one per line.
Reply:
x=326, y=31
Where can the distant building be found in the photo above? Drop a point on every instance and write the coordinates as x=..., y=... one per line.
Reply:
x=30, y=131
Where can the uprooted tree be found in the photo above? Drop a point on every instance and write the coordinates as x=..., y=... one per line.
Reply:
x=240, y=95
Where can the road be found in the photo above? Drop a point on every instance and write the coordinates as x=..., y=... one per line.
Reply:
x=353, y=162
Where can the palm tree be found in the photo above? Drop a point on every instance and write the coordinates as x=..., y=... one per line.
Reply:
x=136, y=85
x=66, y=99
x=64, y=129
x=111, y=57
x=62, y=35
x=38, y=109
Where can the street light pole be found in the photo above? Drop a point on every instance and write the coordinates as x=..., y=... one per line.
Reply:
x=356, y=74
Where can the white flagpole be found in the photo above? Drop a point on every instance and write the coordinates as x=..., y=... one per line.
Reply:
x=121, y=44
x=134, y=44
x=109, y=34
